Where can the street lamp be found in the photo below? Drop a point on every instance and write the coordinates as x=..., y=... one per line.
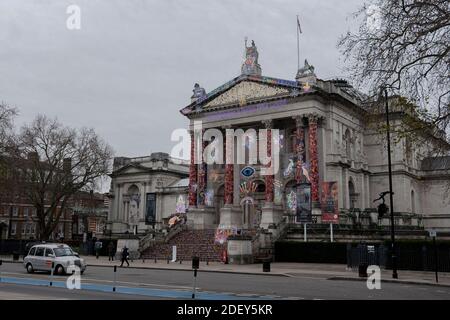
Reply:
x=391, y=198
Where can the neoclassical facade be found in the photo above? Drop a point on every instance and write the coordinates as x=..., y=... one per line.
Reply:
x=325, y=144
x=145, y=192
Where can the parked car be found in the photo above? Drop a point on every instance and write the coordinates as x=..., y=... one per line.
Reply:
x=41, y=256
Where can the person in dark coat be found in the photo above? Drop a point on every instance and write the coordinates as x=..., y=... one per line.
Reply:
x=111, y=251
x=125, y=255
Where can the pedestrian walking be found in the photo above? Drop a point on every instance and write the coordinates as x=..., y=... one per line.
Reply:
x=125, y=256
x=111, y=251
x=98, y=246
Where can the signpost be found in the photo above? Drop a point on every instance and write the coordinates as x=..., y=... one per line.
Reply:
x=195, y=266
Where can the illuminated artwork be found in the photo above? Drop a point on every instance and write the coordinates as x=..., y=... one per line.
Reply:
x=278, y=193
x=329, y=202
x=303, y=212
x=291, y=199
x=209, y=198
x=247, y=187
x=289, y=169
x=222, y=235
x=248, y=172
x=181, y=205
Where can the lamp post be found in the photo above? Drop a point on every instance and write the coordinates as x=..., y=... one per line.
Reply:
x=391, y=197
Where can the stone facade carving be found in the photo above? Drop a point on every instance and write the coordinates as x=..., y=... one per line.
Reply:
x=245, y=91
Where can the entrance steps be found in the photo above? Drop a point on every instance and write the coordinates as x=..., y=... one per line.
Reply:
x=189, y=243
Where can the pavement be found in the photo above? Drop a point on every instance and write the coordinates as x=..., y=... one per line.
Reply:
x=280, y=269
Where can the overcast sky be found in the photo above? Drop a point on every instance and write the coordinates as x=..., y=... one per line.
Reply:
x=133, y=64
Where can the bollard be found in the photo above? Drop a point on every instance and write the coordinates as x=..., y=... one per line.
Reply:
x=181, y=261
x=207, y=262
x=156, y=260
x=168, y=260
x=1, y=270
x=115, y=270
x=51, y=274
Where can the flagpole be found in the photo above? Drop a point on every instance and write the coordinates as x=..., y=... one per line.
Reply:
x=298, y=46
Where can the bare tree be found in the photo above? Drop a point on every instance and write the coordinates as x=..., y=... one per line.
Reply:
x=7, y=115
x=56, y=162
x=404, y=45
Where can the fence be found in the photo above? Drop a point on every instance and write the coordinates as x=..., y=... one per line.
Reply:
x=418, y=256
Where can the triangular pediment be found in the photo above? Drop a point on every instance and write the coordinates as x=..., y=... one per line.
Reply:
x=130, y=169
x=246, y=91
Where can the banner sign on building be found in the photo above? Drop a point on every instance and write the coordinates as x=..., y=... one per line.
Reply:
x=150, y=215
x=303, y=198
x=329, y=202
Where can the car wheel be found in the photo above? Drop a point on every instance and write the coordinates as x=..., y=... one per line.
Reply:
x=59, y=270
x=30, y=268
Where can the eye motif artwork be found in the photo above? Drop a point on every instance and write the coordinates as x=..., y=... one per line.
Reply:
x=248, y=172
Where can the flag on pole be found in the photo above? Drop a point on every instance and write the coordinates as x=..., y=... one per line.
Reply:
x=298, y=25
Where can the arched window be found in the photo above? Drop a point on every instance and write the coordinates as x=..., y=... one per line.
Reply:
x=352, y=194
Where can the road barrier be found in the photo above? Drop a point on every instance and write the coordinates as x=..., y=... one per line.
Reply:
x=51, y=274
x=115, y=278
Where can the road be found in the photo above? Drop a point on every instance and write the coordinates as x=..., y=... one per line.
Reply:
x=97, y=283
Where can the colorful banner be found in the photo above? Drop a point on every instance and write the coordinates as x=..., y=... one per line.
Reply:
x=221, y=235
x=303, y=200
x=329, y=202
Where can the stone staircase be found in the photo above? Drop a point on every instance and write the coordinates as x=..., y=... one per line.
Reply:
x=189, y=243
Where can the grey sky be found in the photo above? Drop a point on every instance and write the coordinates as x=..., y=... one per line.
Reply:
x=133, y=64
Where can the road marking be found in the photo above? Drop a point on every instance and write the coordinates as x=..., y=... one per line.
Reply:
x=43, y=277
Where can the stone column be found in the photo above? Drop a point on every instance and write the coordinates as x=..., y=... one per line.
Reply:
x=230, y=216
x=201, y=179
x=229, y=179
x=192, y=174
x=299, y=147
x=271, y=215
x=314, y=159
x=268, y=179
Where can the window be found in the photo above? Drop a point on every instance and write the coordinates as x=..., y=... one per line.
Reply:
x=32, y=228
x=26, y=212
x=40, y=251
x=63, y=252
x=28, y=228
x=13, y=228
x=24, y=229
x=32, y=251
x=48, y=252
x=15, y=211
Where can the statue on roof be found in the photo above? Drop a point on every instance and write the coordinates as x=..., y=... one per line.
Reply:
x=306, y=74
x=199, y=92
x=251, y=65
